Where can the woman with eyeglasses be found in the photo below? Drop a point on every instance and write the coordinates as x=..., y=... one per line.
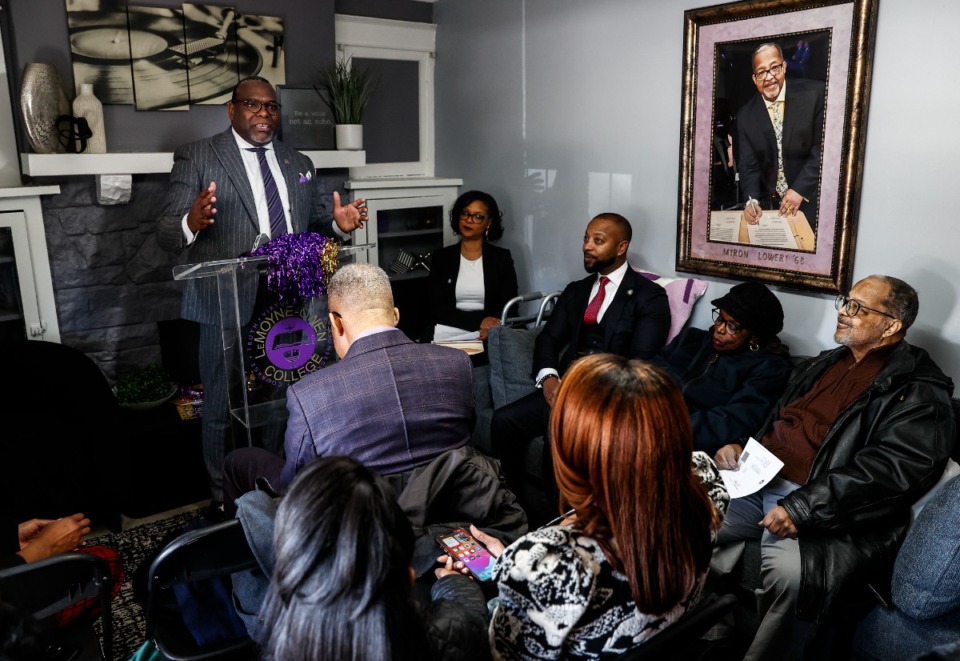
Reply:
x=472, y=280
x=731, y=374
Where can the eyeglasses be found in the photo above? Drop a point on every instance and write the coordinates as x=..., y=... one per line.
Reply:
x=852, y=306
x=255, y=106
x=473, y=217
x=776, y=69
x=730, y=326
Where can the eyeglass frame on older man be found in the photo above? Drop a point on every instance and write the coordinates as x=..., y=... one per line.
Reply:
x=762, y=75
x=846, y=303
x=731, y=327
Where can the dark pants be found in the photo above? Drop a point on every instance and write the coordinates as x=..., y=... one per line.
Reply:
x=246, y=469
x=512, y=428
x=215, y=423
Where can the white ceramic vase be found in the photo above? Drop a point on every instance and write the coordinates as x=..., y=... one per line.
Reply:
x=88, y=106
x=43, y=99
x=350, y=136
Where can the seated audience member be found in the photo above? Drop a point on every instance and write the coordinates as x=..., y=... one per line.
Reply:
x=613, y=310
x=731, y=375
x=863, y=430
x=342, y=585
x=39, y=539
x=390, y=403
x=633, y=555
x=471, y=281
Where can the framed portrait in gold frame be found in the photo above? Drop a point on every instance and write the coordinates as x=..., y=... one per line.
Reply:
x=774, y=116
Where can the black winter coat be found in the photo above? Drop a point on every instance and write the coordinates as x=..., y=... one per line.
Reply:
x=880, y=455
x=729, y=394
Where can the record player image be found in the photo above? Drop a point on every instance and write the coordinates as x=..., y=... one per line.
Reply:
x=169, y=58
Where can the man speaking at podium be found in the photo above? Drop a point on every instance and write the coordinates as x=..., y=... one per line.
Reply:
x=780, y=138
x=228, y=192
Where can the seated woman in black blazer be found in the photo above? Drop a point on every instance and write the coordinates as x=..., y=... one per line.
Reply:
x=471, y=281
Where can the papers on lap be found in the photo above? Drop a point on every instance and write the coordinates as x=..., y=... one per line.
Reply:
x=755, y=468
x=470, y=346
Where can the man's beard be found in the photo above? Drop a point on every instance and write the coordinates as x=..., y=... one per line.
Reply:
x=599, y=265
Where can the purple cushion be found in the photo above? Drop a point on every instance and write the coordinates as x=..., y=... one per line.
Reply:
x=683, y=293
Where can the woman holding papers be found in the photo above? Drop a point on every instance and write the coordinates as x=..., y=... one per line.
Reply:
x=732, y=374
x=472, y=280
x=632, y=555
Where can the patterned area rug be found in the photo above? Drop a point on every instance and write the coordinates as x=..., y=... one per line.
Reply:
x=133, y=545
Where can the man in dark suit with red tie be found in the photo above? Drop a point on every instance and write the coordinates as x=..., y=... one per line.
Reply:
x=613, y=310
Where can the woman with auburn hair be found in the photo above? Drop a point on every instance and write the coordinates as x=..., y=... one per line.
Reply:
x=633, y=555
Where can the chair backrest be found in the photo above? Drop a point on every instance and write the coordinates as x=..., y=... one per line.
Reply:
x=198, y=555
x=681, y=640
x=45, y=587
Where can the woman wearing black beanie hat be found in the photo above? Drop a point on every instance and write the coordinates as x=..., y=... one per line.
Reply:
x=732, y=373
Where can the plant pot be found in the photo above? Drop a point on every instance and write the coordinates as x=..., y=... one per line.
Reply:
x=350, y=136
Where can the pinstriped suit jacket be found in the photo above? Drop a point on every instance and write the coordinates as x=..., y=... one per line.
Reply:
x=408, y=403
x=236, y=226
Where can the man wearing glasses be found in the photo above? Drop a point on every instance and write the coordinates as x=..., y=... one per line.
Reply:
x=779, y=140
x=863, y=430
x=227, y=193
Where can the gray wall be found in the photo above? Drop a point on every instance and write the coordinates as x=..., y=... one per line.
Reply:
x=590, y=94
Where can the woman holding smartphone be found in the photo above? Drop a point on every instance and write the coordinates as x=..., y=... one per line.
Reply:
x=633, y=556
x=341, y=588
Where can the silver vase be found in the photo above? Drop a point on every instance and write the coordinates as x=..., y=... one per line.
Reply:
x=43, y=99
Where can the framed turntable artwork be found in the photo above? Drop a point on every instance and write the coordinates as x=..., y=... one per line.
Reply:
x=169, y=58
x=774, y=119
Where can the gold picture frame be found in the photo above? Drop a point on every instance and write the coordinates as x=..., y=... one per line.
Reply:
x=718, y=124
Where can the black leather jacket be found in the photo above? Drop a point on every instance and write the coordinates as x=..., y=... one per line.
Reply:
x=881, y=454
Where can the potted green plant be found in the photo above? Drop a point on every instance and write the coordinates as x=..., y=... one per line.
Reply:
x=146, y=388
x=347, y=89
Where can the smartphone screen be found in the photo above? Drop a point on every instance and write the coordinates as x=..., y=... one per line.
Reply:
x=461, y=545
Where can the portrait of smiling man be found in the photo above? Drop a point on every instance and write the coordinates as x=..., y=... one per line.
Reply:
x=780, y=140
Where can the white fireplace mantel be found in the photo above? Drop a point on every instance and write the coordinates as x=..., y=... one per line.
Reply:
x=62, y=165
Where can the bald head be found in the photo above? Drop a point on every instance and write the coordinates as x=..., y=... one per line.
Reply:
x=360, y=298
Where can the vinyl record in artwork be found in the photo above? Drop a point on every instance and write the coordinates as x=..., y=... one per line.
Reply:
x=170, y=58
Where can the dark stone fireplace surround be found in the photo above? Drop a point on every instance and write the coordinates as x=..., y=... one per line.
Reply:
x=112, y=282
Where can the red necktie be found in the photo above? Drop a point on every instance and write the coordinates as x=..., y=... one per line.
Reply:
x=590, y=316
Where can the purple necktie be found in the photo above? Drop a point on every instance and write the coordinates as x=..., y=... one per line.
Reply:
x=278, y=220
x=593, y=310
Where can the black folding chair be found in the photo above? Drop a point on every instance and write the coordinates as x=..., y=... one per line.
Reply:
x=682, y=639
x=43, y=588
x=215, y=551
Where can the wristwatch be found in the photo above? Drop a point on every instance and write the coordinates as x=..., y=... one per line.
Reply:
x=549, y=375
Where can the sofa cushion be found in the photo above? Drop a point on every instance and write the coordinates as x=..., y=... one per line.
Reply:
x=511, y=361
x=682, y=293
x=926, y=574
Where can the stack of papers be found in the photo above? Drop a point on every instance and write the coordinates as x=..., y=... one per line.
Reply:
x=470, y=346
